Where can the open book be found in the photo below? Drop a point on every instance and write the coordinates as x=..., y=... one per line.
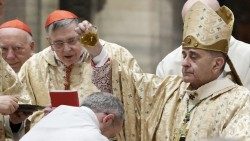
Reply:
x=28, y=108
x=64, y=97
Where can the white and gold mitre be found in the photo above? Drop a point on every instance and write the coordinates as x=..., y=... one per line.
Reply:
x=206, y=29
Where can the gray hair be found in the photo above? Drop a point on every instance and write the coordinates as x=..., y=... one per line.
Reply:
x=215, y=54
x=29, y=39
x=101, y=102
x=59, y=24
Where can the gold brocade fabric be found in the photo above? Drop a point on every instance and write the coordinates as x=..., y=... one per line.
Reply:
x=9, y=82
x=155, y=107
x=9, y=85
x=41, y=73
x=206, y=29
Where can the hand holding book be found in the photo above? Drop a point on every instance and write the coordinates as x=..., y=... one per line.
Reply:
x=28, y=108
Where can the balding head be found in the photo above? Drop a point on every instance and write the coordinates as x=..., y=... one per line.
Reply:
x=214, y=4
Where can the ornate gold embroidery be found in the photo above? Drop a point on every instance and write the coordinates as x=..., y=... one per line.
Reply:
x=68, y=70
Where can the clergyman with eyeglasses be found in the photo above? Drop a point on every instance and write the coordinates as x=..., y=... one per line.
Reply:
x=65, y=64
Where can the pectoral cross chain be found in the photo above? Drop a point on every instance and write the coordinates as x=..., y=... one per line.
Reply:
x=187, y=117
x=184, y=130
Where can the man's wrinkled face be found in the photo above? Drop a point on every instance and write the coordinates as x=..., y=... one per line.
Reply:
x=16, y=46
x=65, y=42
x=197, y=66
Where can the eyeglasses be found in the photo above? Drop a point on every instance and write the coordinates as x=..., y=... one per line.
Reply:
x=59, y=45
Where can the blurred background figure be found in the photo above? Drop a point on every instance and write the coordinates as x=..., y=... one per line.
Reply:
x=16, y=43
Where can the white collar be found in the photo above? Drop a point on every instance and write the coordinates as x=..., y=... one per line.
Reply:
x=92, y=115
x=213, y=88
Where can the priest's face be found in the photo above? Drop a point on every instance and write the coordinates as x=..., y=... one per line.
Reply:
x=17, y=46
x=66, y=44
x=198, y=67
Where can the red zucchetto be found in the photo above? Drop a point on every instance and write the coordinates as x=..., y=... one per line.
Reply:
x=16, y=24
x=58, y=15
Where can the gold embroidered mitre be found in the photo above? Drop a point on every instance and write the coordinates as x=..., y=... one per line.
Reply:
x=206, y=29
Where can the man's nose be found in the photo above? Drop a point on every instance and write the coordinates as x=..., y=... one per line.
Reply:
x=10, y=54
x=67, y=47
x=185, y=62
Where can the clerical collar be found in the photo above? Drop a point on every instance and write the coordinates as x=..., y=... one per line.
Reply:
x=214, y=88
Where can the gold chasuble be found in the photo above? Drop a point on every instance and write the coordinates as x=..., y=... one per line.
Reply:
x=43, y=72
x=155, y=108
x=9, y=85
x=9, y=82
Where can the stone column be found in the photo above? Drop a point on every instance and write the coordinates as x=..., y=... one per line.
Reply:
x=46, y=7
x=14, y=9
x=33, y=18
x=144, y=27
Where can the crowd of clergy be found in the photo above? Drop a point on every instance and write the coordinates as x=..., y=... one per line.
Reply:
x=200, y=91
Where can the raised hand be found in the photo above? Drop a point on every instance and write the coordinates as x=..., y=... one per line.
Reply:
x=89, y=38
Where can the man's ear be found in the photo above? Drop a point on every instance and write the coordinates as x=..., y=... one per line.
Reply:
x=32, y=46
x=219, y=62
x=108, y=119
